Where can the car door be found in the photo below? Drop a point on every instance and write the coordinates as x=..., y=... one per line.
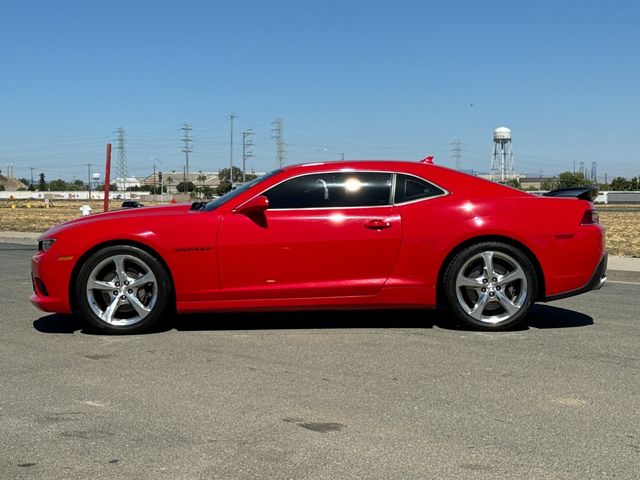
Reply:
x=323, y=235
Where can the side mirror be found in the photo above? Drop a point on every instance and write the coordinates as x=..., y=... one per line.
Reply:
x=256, y=205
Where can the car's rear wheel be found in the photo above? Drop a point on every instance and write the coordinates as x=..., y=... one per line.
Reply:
x=490, y=286
x=122, y=289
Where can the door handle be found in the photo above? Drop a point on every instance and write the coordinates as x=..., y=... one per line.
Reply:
x=377, y=224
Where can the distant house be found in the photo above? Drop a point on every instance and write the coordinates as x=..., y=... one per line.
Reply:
x=124, y=183
x=172, y=179
x=11, y=184
x=487, y=176
x=535, y=183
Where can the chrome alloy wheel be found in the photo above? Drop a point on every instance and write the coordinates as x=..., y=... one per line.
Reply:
x=491, y=287
x=121, y=290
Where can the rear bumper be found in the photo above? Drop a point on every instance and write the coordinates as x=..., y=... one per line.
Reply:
x=596, y=282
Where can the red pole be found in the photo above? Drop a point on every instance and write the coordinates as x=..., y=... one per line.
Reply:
x=107, y=179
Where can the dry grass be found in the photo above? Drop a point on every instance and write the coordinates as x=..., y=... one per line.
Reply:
x=32, y=216
x=623, y=231
x=622, y=223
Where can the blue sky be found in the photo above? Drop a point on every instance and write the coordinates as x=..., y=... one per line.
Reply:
x=370, y=79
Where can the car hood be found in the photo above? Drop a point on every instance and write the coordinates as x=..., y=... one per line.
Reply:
x=143, y=214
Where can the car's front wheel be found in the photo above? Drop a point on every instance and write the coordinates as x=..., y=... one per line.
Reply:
x=122, y=289
x=490, y=285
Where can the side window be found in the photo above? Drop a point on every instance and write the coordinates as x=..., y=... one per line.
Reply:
x=332, y=190
x=410, y=188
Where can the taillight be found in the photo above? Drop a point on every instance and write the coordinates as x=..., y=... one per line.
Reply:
x=590, y=217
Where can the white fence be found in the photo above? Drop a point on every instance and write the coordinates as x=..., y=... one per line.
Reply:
x=614, y=198
x=80, y=195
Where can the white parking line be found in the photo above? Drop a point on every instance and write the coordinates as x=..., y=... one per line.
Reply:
x=622, y=282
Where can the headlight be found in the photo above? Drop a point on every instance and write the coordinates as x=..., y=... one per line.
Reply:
x=44, y=245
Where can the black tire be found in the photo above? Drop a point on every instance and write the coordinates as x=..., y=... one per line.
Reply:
x=130, y=301
x=495, y=301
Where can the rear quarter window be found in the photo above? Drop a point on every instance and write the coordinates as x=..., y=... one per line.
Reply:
x=409, y=188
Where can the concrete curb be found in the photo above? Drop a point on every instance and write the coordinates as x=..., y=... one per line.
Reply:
x=616, y=264
x=21, y=238
x=627, y=264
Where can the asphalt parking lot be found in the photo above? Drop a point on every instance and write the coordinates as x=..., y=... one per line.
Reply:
x=321, y=396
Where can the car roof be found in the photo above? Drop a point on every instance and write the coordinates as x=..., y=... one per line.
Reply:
x=355, y=164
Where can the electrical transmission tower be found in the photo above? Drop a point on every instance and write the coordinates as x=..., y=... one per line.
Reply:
x=247, y=143
x=280, y=145
x=456, y=153
x=594, y=171
x=582, y=170
x=121, y=162
x=232, y=116
x=186, y=138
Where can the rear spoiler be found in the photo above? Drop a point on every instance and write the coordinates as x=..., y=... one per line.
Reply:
x=583, y=193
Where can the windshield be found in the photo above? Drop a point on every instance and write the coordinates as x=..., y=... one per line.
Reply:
x=216, y=202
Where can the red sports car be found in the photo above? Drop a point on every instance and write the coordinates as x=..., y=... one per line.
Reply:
x=328, y=236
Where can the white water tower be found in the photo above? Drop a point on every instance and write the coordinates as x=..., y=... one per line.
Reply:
x=502, y=168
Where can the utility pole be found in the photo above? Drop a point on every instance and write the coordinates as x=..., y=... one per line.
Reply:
x=89, y=178
x=30, y=168
x=456, y=153
x=280, y=145
x=121, y=163
x=231, y=117
x=247, y=143
x=160, y=179
x=186, y=128
x=154, y=179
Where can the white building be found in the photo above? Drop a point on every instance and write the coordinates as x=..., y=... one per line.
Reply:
x=124, y=183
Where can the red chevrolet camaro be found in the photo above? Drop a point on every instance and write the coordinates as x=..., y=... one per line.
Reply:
x=328, y=236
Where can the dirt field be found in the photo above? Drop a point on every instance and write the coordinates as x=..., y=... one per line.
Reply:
x=622, y=222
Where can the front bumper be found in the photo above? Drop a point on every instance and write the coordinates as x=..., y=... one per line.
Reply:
x=596, y=282
x=50, y=277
